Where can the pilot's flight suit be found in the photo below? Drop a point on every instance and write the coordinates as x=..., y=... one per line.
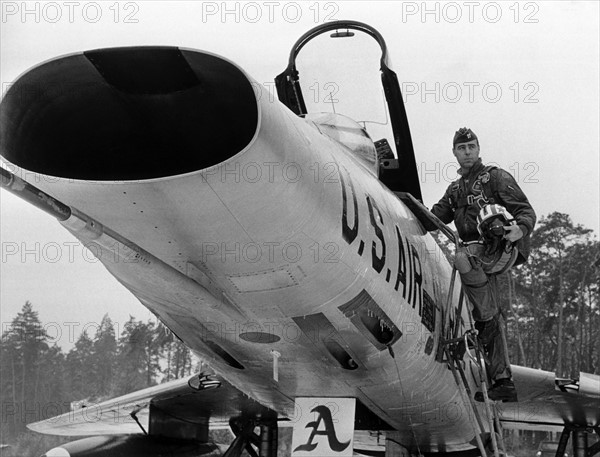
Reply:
x=461, y=203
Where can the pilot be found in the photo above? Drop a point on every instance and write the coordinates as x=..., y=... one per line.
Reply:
x=494, y=221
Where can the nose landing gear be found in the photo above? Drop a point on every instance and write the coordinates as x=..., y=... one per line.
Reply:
x=261, y=444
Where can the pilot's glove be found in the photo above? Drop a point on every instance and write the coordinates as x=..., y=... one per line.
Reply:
x=513, y=233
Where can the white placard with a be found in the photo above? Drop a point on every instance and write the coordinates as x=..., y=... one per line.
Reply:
x=324, y=427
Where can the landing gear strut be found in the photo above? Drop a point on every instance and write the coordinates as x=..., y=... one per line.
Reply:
x=579, y=441
x=262, y=444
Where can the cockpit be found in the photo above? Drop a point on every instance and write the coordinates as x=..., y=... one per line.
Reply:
x=348, y=133
x=349, y=92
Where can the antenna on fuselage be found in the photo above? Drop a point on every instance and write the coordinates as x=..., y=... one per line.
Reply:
x=332, y=101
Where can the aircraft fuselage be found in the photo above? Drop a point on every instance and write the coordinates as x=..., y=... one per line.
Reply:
x=286, y=265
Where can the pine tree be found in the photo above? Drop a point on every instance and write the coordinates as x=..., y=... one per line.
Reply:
x=554, y=235
x=79, y=370
x=103, y=358
x=26, y=360
x=177, y=357
x=138, y=357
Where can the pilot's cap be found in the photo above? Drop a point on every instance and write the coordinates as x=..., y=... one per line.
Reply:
x=464, y=135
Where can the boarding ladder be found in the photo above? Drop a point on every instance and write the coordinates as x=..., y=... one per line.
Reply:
x=450, y=351
x=449, y=348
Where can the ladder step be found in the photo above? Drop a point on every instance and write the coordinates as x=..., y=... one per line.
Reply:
x=452, y=341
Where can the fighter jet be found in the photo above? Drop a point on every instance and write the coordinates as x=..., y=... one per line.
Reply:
x=287, y=248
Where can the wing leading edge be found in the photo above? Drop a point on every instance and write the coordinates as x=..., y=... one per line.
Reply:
x=174, y=402
x=548, y=403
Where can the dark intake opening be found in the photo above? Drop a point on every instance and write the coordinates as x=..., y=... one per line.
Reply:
x=127, y=114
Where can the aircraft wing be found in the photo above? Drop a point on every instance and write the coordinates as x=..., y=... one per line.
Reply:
x=545, y=403
x=548, y=403
x=213, y=400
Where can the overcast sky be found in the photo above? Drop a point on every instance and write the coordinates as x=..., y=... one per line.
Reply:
x=524, y=76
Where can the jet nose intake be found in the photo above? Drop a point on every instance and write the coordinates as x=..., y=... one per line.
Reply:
x=128, y=114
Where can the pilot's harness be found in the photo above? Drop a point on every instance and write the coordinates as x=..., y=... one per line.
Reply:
x=500, y=254
x=481, y=188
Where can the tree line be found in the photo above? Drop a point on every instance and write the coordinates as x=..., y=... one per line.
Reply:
x=38, y=380
x=552, y=305
x=552, y=309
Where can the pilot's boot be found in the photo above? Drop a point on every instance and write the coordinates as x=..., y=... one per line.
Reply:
x=502, y=390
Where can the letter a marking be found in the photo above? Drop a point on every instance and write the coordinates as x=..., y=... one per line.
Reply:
x=325, y=416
